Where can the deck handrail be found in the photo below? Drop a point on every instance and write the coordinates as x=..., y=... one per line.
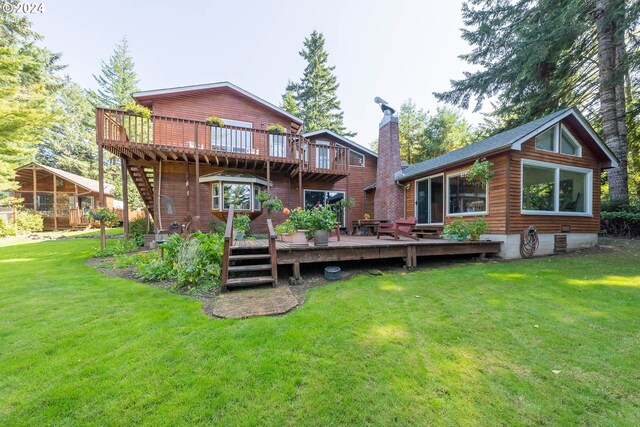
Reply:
x=273, y=252
x=228, y=242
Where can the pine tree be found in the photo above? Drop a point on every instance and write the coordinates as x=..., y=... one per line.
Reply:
x=445, y=131
x=315, y=95
x=537, y=56
x=70, y=143
x=117, y=79
x=27, y=89
x=411, y=128
x=289, y=103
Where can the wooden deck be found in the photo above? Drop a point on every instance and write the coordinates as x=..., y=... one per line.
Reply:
x=353, y=248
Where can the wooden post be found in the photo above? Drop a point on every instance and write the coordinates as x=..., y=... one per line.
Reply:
x=34, y=190
x=125, y=197
x=300, y=190
x=55, y=203
x=76, y=204
x=103, y=232
x=198, y=190
x=296, y=270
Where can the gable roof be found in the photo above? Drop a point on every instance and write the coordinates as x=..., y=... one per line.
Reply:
x=341, y=138
x=203, y=87
x=86, y=183
x=509, y=139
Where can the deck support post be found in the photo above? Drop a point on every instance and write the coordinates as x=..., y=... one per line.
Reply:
x=35, y=191
x=103, y=232
x=125, y=197
x=296, y=270
x=412, y=258
x=55, y=203
x=198, y=190
x=300, y=190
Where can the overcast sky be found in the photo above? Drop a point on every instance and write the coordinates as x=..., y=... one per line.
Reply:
x=392, y=49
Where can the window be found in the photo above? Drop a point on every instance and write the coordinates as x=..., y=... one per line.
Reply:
x=547, y=140
x=238, y=195
x=430, y=200
x=568, y=144
x=356, y=159
x=322, y=155
x=278, y=145
x=558, y=139
x=215, y=197
x=313, y=198
x=464, y=197
x=551, y=188
x=234, y=140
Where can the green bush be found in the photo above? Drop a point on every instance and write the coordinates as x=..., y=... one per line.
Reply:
x=6, y=229
x=151, y=268
x=29, y=222
x=122, y=246
x=458, y=229
x=477, y=227
x=138, y=229
x=621, y=224
x=242, y=222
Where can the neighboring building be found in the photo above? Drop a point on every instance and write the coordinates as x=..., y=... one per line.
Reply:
x=185, y=168
x=547, y=174
x=69, y=195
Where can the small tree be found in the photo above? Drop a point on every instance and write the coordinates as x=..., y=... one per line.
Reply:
x=106, y=218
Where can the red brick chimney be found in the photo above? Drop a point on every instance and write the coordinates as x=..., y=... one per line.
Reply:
x=389, y=202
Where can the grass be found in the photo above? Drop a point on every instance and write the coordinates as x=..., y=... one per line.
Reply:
x=467, y=345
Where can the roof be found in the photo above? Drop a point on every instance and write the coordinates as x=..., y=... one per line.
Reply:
x=340, y=138
x=207, y=86
x=509, y=139
x=86, y=183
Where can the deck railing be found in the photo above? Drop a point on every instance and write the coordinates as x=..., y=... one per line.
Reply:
x=122, y=128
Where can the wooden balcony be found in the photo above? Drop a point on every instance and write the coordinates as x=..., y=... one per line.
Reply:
x=166, y=138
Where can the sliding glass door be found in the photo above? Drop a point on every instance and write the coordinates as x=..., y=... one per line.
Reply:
x=430, y=200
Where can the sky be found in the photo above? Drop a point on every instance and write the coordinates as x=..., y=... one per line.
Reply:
x=395, y=49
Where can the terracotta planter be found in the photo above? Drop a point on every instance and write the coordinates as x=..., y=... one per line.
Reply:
x=286, y=238
x=300, y=238
x=321, y=238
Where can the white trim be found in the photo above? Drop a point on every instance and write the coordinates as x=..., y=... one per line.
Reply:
x=341, y=138
x=217, y=85
x=460, y=214
x=554, y=140
x=588, y=196
x=415, y=199
x=364, y=158
x=517, y=145
x=252, y=187
x=325, y=145
x=572, y=138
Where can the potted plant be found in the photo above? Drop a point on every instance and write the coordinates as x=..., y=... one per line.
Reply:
x=366, y=216
x=481, y=172
x=215, y=121
x=106, y=218
x=241, y=224
x=269, y=202
x=276, y=129
x=477, y=227
x=456, y=230
x=137, y=109
x=322, y=219
x=285, y=231
x=300, y=219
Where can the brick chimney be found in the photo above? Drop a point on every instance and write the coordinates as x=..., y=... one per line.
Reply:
x=389, y=198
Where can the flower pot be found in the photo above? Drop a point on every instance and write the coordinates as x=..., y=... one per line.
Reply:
x=238, y=234
x=300, y=238
x=286, y=238
x=321, y=238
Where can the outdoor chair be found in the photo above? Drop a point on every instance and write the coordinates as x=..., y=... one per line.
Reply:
x=401, y=228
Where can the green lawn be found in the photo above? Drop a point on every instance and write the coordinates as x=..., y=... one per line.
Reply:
x=448, y=346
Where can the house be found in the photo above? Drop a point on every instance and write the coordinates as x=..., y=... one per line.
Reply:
x=188, y=170
x=69, y=195
x=547, y=175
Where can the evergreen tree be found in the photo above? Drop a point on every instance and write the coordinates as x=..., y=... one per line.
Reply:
x=445, y=131
x=70, y=143
x=289, y=103
x=412, y=123
x=537, y=56
x=117, y=79
x=27, y=88
x=315, y=95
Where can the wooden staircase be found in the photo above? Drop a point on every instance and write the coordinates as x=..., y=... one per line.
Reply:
x=250, y=265
x=143, y=179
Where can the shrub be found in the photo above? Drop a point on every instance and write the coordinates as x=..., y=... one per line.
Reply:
x=322, y=218
x=151, y=268
x=29, y=222
x=242, y=222
x=477, y=227
x=286, y=227
x=621, y=224
x=458, y=229
x=271, y=204
x=122, y=246
x=6, y=229
x=217, y=226
x=138, y=229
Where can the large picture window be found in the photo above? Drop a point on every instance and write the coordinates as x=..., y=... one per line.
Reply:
x=240, y=190
x=464, y=197
x=550, y=188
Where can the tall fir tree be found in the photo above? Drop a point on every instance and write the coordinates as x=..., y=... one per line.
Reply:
x=315, y=96
x=537, y=56
x=70, y=143
x=411, y=129
x=116, y=81
x=27, y=95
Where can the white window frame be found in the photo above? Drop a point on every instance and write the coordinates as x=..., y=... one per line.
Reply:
x=320, y=190
x=557, y=140
x=364, y=159
x=324, y=145
x=254, y=207
x=588, y=196
x=246, y=145
x=415, y=198
x=460, y=214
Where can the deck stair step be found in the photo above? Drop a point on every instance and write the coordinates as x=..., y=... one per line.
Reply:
x=250, y=281
x=249, y=257
x=251, y=267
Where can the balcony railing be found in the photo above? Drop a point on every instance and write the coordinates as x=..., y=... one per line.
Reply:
x=124, y=129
